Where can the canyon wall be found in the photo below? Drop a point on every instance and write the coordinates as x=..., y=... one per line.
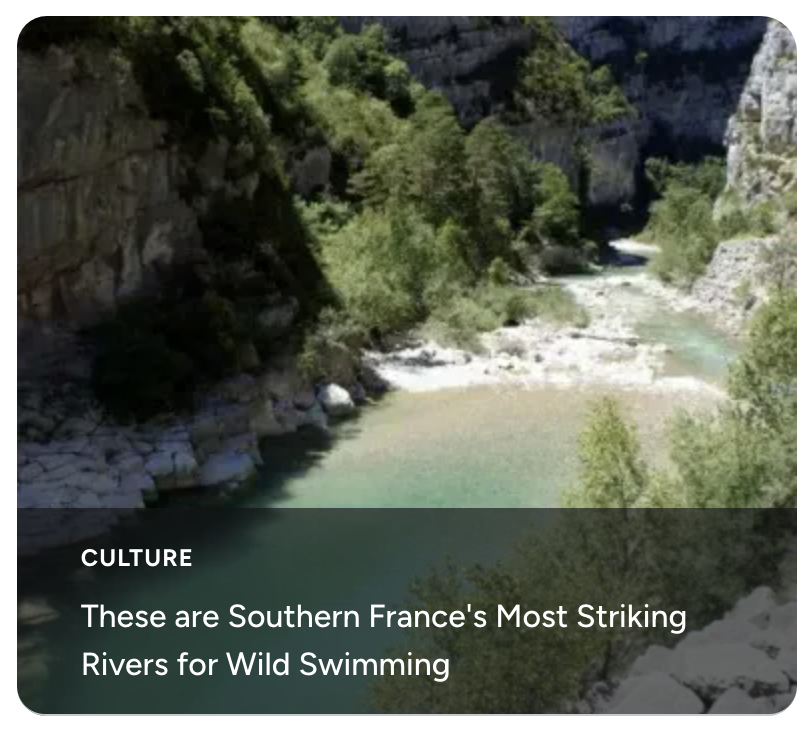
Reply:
x=684, y=75
x=761, y=171
x=99, y=209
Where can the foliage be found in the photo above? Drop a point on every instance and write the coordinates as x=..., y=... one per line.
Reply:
x=152, y=354
x=420, y=219
x=380, y=262
x=707, y=177
x=683, y=221
x=557, y=85
x=699, y=562
x=361, y=62
x=613, y=474
x=555, y=218
x=459, y=317
x=332, y=345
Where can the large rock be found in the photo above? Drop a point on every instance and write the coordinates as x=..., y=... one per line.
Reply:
x=756, y=608
x=656, y=693
x=264, y=421
x=656, y=658
x=336, y=400
x=712, y=669
x=226, y=469
x=736, y=701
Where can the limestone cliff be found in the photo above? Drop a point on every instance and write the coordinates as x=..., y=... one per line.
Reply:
x=761, y=171
x=684, y=75
x=762, y=135
x=99, y=210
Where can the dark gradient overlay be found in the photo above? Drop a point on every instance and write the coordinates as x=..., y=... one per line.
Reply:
x=338, y=560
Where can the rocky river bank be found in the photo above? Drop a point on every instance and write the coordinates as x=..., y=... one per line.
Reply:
x=70, y=454
x=608, y=351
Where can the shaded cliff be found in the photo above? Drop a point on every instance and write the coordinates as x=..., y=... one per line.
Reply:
x=132, y=185
x=683, y=74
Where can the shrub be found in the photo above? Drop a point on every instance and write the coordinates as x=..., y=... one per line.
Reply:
x=154, y=354
x=330, y=350
x=380, y=263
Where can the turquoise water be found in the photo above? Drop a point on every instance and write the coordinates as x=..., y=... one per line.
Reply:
x=482, y=447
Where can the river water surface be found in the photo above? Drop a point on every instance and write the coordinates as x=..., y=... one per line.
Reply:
x=485, y=447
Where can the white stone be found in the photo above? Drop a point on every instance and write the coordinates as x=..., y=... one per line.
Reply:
x=225, y=468
x=755, y=608
x=160, y=465
x=186, y=469
x=52, y=462
x=129, y=463
x=336, y=400
x=656, y=693
x=736, y=701
x=787, y=661
x=656, y=658
x=29, y=472
x=711, y=670
x=136, y=483
x=785, y=619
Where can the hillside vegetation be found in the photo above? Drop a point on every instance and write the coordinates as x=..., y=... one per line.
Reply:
x=419, y=220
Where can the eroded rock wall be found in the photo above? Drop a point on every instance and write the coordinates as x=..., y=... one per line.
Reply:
x=684, y=74
x=762, y=136
x=99, y=209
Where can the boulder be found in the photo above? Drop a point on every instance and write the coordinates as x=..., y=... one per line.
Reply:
x=772, y=641
x=160, y=465
x=29, y=472
x=721, y=631
x=787, y=661
x=185, y=470
x=736, y=701
x=782, y=701
x=226, y=468
x=756, y=608
x=336, y=400
x=264, y=422
x=785, y=619
x=315, y=417
x=136, y=483
x=712, y=669
x=656, y=693
x=656, y=658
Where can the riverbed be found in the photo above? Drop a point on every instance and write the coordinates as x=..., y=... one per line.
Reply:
x=484, y=436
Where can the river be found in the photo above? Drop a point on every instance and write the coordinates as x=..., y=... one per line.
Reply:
x=480, y=446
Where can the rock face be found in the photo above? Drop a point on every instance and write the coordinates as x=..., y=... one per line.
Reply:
x=762, y=136
x=726, y=668
x=99, y=212
x=761, y=171
x=472, y=60
x=684, y=74
x=738, y=279
x=70, y=455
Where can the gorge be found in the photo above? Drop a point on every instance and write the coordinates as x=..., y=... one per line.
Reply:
x=369, y=263
x=105, y=216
